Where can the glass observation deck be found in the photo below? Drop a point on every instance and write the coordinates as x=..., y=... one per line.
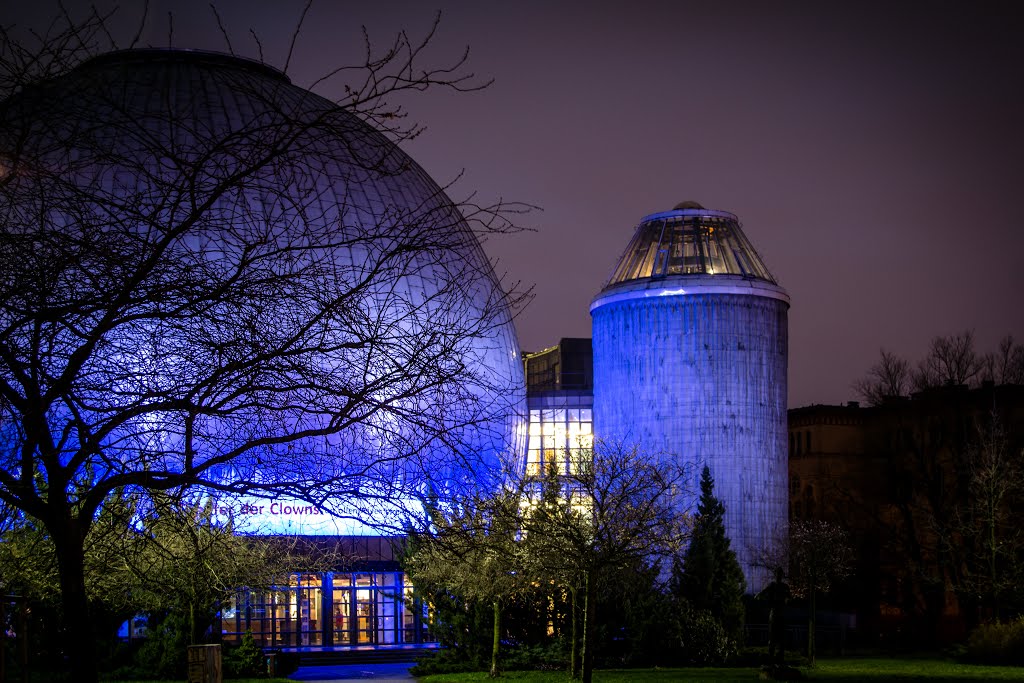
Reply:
x=689, y=240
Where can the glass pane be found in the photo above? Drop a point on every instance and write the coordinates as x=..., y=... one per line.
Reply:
x=365, y=616
x=342, y=616
x=386, y=624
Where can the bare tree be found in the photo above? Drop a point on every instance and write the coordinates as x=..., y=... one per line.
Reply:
x=1006, y=365
x=180, y=558
x=984, y=535
x=951, y=361
x=232, y=284
x=161, y=555
x=888, y=378
x=819, y=554
x=472, y=549
x=614, y=508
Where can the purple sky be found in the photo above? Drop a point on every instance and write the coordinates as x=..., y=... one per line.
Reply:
x=873, y=152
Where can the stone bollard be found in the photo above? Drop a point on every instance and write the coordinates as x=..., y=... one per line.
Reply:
x=271, y=663
x=204, y=664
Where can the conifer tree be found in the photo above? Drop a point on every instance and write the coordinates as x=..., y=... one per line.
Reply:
x=709, y=577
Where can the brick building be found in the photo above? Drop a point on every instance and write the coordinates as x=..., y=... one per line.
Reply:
x=902, y=478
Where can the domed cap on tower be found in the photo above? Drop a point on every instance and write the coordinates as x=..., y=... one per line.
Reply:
x=689, y=240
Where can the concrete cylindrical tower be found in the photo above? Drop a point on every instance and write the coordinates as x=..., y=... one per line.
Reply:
x=690, y=359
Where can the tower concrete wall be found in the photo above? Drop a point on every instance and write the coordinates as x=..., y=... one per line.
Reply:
x=695, y=374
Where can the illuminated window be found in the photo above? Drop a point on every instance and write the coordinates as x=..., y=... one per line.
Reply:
x=689, y=241
x=559, y=436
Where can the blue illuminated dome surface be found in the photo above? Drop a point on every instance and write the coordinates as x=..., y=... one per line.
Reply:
x=690, y=362
x=351, y=176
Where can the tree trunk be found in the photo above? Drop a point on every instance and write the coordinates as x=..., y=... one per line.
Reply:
x=812, y=607
x=192, y=636
x=589, y=622
x=77, y=627
x=574, y=650
x=496, y=639
x=993, y=562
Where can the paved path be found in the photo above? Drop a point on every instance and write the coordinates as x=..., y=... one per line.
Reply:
x=382, y=673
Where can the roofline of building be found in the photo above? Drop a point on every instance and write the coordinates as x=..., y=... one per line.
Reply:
x=689, y=285
x=717, y=213
x=147, y=55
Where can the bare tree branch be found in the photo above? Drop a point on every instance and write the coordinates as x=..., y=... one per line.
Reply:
x=295, y=34
x=951, y=361
x=887, y=379
x=233, y=286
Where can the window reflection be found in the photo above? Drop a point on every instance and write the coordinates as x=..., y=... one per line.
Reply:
x=686, y=243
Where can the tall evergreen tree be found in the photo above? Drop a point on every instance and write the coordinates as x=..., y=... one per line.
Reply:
x=709, y=576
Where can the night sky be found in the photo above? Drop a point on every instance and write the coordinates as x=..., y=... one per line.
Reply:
x=874, y=153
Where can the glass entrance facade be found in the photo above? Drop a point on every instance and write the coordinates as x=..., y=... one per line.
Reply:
x=329, y=609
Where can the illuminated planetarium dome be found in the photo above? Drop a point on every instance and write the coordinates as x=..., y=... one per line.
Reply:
x=160, y=128
x=690, y=361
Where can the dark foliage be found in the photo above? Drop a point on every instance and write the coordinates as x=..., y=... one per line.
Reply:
x=246, y=660
x=709, y=578
x=997, y=643
x=163, y=653
x=702, y=641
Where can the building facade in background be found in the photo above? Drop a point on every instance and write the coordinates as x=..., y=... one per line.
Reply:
x=560, y=401
x=907, y=478
x=367, y=603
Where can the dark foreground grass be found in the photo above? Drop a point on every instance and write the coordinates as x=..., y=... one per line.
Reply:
x=848, y=670
x=604, y=676
x=911, y=669
x=52, y=677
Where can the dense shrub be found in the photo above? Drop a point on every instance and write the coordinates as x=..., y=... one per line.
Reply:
x=640, y=617
x=163, y=653
x=443, y=662
x=702, y=640
x=997, y=643
x=246, y=660
x=548, y=657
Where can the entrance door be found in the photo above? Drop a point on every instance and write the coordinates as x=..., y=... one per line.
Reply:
x=283, y=616
x=366, y=617
x=366, y=610
x=342, y=612
x=308, y=600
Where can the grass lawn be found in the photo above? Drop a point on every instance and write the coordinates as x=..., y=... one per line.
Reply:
x=911, y=669
x=604, y=676
x=866, y=669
